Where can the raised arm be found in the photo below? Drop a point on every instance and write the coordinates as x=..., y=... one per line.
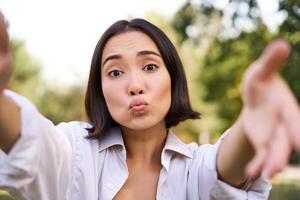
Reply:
x=36, y=163
x=9, y=111
x=261, y=139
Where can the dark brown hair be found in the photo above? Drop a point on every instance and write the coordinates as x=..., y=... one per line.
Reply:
x=95, y=105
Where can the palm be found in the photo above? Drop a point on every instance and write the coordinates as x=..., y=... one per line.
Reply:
x=264, y=102
x=270, y=113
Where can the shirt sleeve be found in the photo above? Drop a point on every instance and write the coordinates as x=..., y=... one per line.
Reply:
x=38, y=165
x=214, y=188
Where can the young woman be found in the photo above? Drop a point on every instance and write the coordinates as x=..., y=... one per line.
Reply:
x=137, y=90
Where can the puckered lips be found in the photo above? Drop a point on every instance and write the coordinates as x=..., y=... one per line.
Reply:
x=138, y=105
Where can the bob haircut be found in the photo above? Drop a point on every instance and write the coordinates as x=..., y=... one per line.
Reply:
x=95, y=105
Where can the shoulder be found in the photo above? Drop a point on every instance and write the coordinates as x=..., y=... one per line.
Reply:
x=202, y=153
x=76, y=132
x=206, y=154
x=84, y=150
x=72, y=127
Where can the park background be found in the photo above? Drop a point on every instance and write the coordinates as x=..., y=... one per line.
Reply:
x=216, y=39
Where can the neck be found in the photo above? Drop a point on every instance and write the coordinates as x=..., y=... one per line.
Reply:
x=144, y=147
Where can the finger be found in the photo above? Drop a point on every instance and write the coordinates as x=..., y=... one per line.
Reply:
x=291, y=116
x=272, y=59
x=255, y=166
x=279, y=152
x=4, y=41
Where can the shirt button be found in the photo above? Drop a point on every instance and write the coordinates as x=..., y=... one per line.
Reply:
x=110, y=186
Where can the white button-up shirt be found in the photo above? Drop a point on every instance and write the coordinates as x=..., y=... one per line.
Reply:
x=56, y=162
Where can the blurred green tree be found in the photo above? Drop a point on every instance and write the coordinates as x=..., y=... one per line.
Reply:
x=62, y=105
x=27, y=71
x=237, y=39
x=55, y=103
x=290, y=31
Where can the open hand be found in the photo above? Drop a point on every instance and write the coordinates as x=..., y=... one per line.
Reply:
x=271, y=114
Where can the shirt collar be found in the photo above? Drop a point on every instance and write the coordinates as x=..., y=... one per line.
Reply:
x=114, y=138
x=174, y=144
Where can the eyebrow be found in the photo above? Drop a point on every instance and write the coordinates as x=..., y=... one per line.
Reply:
x=148, y=52
x=140, y=53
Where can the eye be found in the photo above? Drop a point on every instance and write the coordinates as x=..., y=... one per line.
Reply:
x=150, y=67
x=115, y=73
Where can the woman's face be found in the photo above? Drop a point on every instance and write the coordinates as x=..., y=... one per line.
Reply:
x=135, y=81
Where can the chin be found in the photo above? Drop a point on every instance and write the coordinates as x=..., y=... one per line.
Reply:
x=137, y=127
x=143, y=125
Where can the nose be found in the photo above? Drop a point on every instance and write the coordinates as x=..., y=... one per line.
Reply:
x=136, y=85
x=132, y=93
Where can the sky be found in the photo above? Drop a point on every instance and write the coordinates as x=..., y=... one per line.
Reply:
x=62, y=34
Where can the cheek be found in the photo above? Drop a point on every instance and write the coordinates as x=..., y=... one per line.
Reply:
x=112, y=96
x=168, y=99
x=163, y=94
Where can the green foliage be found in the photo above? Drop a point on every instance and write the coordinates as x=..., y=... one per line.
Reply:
x=225, y=63
x=4, y=196
x=62, y=105
x=182, y=19
x=289, y=191
x=55, y=102
x=292, y=9
x=192, y=22
x=25, y=67
x=290, y=31
x=228, y=55
x=26, y=70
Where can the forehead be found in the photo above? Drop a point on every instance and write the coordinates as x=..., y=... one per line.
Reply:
x=131, y=41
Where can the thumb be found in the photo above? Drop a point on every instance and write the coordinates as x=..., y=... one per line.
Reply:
x=272, y=59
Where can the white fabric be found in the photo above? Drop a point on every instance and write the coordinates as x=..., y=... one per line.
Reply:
x=56, y=162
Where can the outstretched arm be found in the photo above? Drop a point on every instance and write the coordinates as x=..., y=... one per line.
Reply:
x=266, y=131
x=38, y=156
x=9, y=111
